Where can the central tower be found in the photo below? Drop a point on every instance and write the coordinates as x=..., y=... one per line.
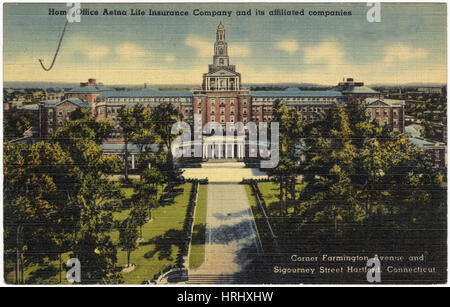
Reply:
x=221, y=75
x=221, y=48
x=221, y=98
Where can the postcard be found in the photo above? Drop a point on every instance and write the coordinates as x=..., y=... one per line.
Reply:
x=224, y=143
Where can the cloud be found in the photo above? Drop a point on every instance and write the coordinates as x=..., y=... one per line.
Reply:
x=403, y=53
x=288, y=46
x=129, y=50
x=97, y=52
x=169, y=58
x=239, y=50
x=326, y=53
x=204, y=48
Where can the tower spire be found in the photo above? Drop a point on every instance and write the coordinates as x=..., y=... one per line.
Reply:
x=221, y=47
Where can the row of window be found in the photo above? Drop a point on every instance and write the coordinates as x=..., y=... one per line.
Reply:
x=165, y=99
x=222, y=101
x=297, y=99
x=384, y=111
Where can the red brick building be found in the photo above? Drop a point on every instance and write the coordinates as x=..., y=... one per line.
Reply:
x=221, y=99
x=387, y=112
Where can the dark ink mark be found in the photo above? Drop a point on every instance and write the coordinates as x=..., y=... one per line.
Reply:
x=57, y=49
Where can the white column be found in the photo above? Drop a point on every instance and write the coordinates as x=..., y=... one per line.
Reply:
x=226, y=151
x=238, y=151
x=232, y=151
x=132, y=161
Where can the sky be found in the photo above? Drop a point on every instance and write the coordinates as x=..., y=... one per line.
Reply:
x=408, y=45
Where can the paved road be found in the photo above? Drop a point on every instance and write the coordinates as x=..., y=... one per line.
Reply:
x=232, y=246
x=228, y=172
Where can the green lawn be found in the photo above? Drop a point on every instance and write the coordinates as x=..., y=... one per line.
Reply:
x=161, y=235
x=155, y=253
x=197, y=251
x=270, y=192
x=261, y=224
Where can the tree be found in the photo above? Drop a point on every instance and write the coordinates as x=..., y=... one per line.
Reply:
x=163, y=117
x=290, y=138
x=139, y=214
x=127, y=122
x=128, y=236
x=35, y=179
x=92, y=197
x=16, y=123
x=142, y=135
x=329, y=153
x=147, y=189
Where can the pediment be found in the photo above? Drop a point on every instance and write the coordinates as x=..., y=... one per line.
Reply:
x=377, y=103
x=222, y=73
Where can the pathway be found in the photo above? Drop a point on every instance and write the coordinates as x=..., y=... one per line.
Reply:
x=232, y=249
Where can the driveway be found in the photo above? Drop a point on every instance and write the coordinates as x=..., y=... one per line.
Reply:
x=232, y=249
x=223, y=172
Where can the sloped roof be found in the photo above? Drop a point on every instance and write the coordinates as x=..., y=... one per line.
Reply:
x=390, y=102
x=295, y=93
x=145, y=93
x=222, y=72
x=292, y=89
x=359, y=90
x=88, y=89
x=76, y=101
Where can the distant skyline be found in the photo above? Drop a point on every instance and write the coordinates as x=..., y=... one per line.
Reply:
x=407, y=46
